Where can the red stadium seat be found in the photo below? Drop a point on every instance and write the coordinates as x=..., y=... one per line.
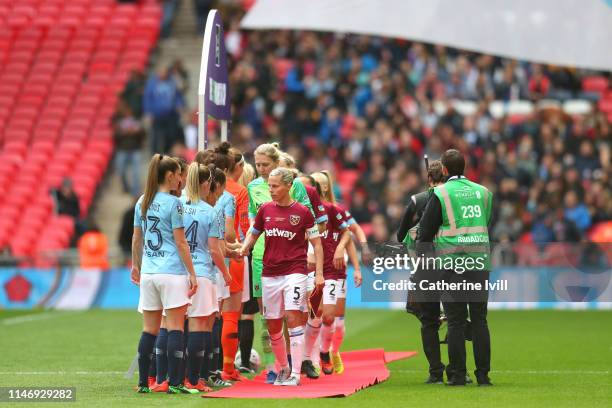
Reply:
x=47, y=135
x=21, y=123
x=26, y=56
x=81, y=112
x=67, y=90
x=53, y=119
x=18, y=147
x=44, y=21
x=10, y=134
x=77, y=57
x=13, y=79
x=101, y=9
x=42, y=146
x=83, y=44
x=50, y=10
x=596, y=84
x=51, y=122
x=74, y=134
x=605, y=105
x=58, y=101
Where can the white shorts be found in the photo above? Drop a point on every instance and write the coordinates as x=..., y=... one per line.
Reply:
x=163, y=291
x=204, y=302
x=223, y=291
x=334, y=289
x=283, y=293
x=310, y=283
x=246, y=293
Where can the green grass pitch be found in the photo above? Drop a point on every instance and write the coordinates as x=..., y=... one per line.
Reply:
x=539, y=358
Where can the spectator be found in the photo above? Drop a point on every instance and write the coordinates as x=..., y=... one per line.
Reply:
x=577, y=212
x=539, y=84
x=129, y=136
x=169, y=10
x=133, y=93
x=66, y=200
x=93, y=248
x=6, y=257
x=126, y=231
x=564, y=229
x=67, y=203
x=179, y=73
x=202, y=7
x=163, y=102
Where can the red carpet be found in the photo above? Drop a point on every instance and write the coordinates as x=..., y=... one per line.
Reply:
x=391, y=356
x=362, y=368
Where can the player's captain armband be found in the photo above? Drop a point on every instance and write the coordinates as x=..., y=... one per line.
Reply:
x=313, y=232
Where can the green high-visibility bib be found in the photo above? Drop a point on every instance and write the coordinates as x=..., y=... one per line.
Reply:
x=466, y=210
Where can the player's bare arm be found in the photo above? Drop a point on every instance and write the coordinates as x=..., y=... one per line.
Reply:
x=137, y=243
x=318, y=253
x=339, y=252
x=351, y=250
x=183, y=250
x=217, y=257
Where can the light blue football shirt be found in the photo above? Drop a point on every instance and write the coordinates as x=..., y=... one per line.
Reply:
x=200, y=224
x=160, y=254
x=225, y=207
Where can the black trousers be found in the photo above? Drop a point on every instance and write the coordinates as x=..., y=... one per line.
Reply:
x=425, y=305
x=457, y=305
x=430, y=324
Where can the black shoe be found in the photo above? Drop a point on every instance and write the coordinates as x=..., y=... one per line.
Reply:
x=455, y=383
x=309, y=370
x=484, y=382
x=434, y=380
x=468, y=380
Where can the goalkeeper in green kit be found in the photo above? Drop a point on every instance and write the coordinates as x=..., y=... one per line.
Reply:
x=267, y=159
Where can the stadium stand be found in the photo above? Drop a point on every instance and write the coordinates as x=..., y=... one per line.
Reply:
x=369, y=107
x=62, y=64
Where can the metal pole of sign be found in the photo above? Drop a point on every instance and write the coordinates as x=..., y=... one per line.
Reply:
x=202, y=125
x=224, y=130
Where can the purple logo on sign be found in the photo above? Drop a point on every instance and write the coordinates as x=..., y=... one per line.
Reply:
x=216, y=96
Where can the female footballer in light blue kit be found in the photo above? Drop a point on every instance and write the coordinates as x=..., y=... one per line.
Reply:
x=162, y=267
x=203, y=234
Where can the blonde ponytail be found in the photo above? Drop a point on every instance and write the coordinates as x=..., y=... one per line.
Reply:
x=196, y=175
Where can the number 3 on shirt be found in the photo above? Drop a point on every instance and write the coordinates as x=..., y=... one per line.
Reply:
x=154, y=230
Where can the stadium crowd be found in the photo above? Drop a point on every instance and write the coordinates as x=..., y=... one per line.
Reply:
x=369, y=108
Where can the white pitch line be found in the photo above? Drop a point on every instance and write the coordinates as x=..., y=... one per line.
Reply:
x=33, y=317
x=537, y=372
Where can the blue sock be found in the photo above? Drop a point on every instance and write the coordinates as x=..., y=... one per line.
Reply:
x=195, y=355
x=205, y=370
x=183, y=362
x=145, y=353
x=175, y=355
x=161, y=355
x=216, y=346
